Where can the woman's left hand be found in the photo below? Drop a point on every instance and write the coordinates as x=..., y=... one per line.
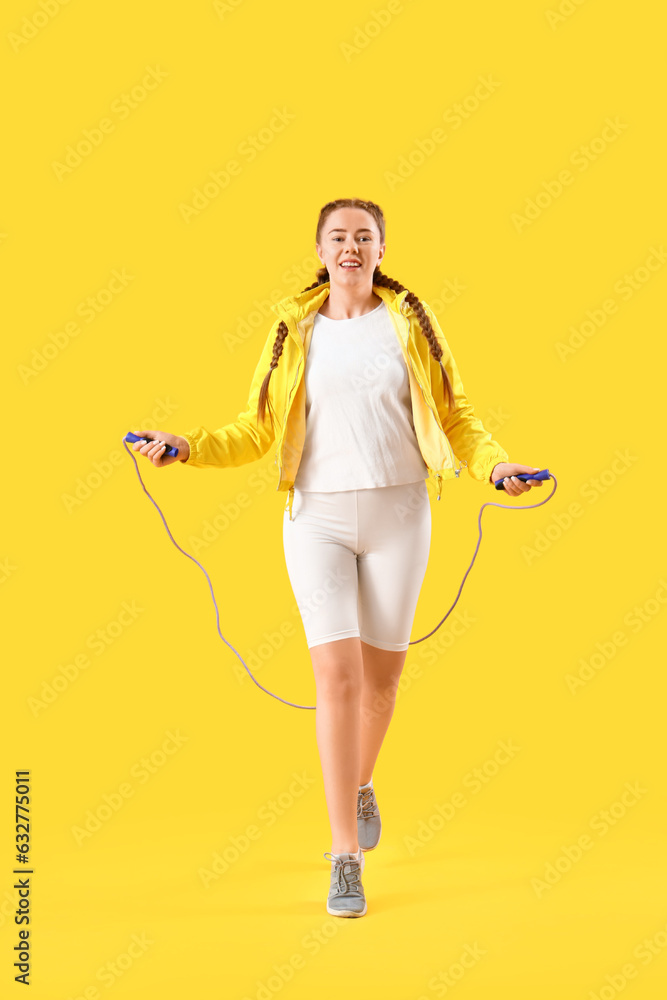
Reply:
x=513, y=486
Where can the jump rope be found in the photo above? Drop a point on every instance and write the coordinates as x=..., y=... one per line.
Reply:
x=541, y=475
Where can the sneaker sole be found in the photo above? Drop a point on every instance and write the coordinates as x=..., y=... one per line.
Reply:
x=347, y=913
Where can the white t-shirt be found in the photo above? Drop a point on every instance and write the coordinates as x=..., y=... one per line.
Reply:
x=359, y=427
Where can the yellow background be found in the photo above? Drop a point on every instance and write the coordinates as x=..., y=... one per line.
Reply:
x=364, y=86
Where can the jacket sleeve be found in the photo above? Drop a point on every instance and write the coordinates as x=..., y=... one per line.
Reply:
x=245, y=439
x=467, y=435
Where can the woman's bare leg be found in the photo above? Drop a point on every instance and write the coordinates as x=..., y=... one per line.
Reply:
x=382, y=672
x=339, y=674
x=356, y=694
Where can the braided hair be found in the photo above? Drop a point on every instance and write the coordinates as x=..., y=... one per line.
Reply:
x=378, y=279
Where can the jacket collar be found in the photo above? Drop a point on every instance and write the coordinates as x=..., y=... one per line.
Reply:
x=300, y=305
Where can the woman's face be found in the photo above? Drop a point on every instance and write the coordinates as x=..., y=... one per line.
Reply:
x=350, y=234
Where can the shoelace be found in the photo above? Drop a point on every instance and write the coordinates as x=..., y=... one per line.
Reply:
x=366, y=804
x=346, y=881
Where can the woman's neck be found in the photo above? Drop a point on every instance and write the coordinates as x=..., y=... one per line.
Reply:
x=343, y=303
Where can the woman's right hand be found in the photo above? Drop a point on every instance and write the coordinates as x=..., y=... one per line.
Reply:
x=154, y=449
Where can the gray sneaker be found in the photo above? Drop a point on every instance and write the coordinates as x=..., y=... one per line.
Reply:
x=346, y=893
x=369, y=825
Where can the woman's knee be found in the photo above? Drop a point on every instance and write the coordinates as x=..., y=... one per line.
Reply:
x=382, y=667
x=338, y=669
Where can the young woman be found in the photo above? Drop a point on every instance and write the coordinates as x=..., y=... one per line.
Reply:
x=357, y=385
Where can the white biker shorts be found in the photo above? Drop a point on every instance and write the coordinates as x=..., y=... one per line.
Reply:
x=356, y=560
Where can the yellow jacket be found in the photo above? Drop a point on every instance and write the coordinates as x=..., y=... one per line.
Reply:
x=441, y=434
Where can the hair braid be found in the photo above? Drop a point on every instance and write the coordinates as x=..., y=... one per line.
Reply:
x=424, y=322
x=277, y=351
x=322, y=278
x=378, y=279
